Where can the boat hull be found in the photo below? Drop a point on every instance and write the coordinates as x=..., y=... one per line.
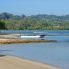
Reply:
x=30, y=36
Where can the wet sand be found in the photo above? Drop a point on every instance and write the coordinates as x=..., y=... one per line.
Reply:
x=10, y=62
x=10, y=41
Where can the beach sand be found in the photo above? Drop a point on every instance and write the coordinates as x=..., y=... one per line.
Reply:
x=10, y=41
x=10, y=62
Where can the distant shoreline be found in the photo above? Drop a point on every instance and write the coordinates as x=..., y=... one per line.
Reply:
x=9, y=21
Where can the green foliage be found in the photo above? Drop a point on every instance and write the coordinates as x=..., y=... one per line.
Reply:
x=34, y=22
x=2, y=25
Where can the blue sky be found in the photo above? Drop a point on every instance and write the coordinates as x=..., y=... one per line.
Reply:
x=33, y=7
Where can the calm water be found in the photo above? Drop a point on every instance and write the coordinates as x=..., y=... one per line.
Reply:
x=54, y=53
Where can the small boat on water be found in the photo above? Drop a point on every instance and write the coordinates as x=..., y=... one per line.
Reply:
x=20, y=36
x=32, y=36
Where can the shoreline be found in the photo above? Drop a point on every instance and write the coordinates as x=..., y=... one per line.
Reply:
x=11, y=62
x=15, y=38
x=11, y=41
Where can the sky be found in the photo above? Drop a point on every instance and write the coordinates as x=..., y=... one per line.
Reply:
x=34, y=7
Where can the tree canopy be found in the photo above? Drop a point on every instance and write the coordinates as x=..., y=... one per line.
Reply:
x=33, y=22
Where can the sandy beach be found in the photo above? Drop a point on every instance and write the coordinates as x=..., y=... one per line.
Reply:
x=10, y=62
x=10, y=41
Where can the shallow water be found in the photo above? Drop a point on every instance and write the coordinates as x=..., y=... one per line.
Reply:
x=54, y=53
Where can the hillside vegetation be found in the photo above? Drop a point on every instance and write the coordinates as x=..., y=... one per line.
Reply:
x=34, y=22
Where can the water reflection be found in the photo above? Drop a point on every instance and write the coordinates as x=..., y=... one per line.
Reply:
x=3, y=49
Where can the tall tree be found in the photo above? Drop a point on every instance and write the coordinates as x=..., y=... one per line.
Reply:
x=2, y=25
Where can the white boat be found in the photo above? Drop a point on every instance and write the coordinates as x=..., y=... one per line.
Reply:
x=21, y=36
x=32, y=36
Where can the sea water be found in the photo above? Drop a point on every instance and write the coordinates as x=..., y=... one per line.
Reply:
x=53, y=53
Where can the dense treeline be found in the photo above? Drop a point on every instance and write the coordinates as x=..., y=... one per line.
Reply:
x=33, y=22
